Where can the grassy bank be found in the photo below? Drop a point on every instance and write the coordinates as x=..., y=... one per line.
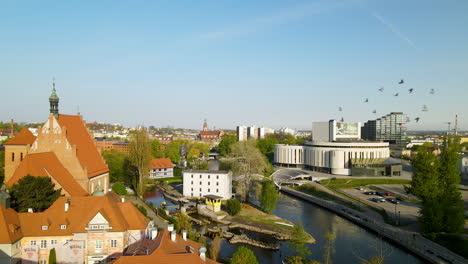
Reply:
x=350, y=183
x=309, y=189
x=168, y=180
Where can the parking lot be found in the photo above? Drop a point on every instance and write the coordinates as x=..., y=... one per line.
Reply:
x=407, y=212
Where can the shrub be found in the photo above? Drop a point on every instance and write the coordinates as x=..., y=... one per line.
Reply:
x=233, y=206
x=119, y=188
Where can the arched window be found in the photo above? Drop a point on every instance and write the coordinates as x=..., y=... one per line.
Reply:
x=12, y=156
x=21, y=156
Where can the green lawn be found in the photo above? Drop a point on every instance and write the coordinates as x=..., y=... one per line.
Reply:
x=168, y=180
x=309, y=189
x=349, y=183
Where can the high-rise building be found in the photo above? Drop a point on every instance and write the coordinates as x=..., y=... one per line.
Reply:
x=246, y=132
x=390, y=128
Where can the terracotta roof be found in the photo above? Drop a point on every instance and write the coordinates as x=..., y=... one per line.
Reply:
x=25, y=137
x=163, y=163
x=164, y=251
x=45, y=164
x=10, y=228
x=81, y=211
x=87, y=153
x=210, y=133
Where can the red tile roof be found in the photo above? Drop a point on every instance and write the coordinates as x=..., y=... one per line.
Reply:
x=10, y=228
x=163, y=163
x=87, y=153
x=44, y=165
x=25, y=137
x=165, y=251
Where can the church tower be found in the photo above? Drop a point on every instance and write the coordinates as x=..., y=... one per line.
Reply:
x=54, y=101
x=205, y=126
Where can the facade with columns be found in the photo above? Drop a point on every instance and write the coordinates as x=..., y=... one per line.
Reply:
x=64, y=150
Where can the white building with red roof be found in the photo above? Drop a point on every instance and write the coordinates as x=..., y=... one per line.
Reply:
x=161, y=168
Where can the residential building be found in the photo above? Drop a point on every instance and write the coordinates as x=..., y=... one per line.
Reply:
x=287, y=130
x=63, y=150
x=463, y=167
x=167, y=247
x=161, y=168
x=106, y=144
x=241, y=133
x=87, y=229
x=390, y=128
x=199, y=183
x=246, y=132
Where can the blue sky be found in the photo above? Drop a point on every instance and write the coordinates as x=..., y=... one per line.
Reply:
x=272, y=63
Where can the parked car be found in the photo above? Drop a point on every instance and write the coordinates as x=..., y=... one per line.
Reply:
x=360, y=188
x=388, y=194
x=393, y=200
x=369, y=193
x=380, y=193
x=378, y=199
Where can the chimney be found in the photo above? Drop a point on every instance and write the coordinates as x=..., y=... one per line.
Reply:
x=184, y=234
x=170, y=227
x=202, y=251
x=173, y=236
x=154, y=233
x=122, y=199
x=67, y=205
x=30, y=210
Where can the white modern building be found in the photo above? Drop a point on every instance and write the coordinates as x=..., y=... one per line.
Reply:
x=337, y=149
x=246, y=132
x=199, y=183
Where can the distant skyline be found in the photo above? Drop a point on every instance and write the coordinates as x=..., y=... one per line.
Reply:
x=271, y=63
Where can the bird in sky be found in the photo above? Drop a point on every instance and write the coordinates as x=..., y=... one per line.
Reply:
x=396, y=94
x=417, y=119
x=366, y=101
x=401, y=81
x=410, y=90
x=432, y=91
x=381, y=89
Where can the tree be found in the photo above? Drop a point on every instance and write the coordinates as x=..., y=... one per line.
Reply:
x=33, y=192
x=233, y=206
x=268, y=196
x=424, y=183
x=52, y=256
x=330, y=237
x=157, y=149
x=244, y=255
x=119, y=188
x=184, y=223
x=140, y=157
x=172, y=151
x=215, y=247
x=115, y=161
x=225, y=144
x=298, y=240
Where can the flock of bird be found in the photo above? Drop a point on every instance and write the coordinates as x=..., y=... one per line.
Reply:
x=410, y=91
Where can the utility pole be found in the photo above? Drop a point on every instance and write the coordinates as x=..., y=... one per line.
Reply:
x=456, y=125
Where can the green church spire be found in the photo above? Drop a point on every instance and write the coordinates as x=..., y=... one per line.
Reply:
x=54, y=100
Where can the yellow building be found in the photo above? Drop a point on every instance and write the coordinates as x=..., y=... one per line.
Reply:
x=213, y=202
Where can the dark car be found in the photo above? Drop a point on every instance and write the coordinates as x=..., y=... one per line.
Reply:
x=378, y=199
x=369, y=193
x=393, y=200
x=380, y=193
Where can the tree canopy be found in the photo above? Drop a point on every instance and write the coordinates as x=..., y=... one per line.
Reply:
x=140, y=157
x=244, y=255
x=268, y=196
x=233, y=206
x=115, y=161
x=225, y=144
x=299, y=239
x=157, y=149
x=33, y=192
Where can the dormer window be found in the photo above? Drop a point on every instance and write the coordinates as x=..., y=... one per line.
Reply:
x=44, y=227
x=63, y=227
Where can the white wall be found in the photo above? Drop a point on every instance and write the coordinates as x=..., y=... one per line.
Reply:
x=201, y=183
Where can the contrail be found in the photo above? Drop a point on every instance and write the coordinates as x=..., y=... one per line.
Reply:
x=393, y=29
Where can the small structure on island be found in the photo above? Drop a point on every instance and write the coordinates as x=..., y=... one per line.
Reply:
x=213, y=202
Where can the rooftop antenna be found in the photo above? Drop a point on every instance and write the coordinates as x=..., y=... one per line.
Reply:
x=456, y=125
x=448, y=130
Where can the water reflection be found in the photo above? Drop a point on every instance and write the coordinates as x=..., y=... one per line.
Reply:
x=156, y=197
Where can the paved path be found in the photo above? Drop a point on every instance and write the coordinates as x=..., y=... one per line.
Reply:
x=151, y=214
x=412, y=241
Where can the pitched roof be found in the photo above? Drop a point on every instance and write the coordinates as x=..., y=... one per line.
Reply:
x=210, y=133
x=80, y=212
x=164, y=251
x=10, y=228
x=87, y=153
x=163, y=163
x=25, y=137
x=43, y=165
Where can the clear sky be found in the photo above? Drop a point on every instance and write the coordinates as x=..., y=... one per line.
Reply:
x=272, y=63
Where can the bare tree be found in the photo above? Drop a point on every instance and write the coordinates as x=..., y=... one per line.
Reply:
x=330, y=237
x=140, y=157
x=382, y=252
x=215, y=247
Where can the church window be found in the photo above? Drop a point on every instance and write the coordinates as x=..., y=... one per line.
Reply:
x=12, y=156
x=21, y=156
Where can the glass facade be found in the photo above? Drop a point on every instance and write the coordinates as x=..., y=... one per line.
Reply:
x=390, y=128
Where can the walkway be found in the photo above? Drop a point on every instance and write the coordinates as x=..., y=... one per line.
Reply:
x=151, y=214
x=412, y=241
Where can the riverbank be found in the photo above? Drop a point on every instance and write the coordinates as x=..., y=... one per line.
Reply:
x=413, y=242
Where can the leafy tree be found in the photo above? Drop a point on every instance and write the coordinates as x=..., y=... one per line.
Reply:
x=157, y=149
x=299, y=239
x=33, y=192
x=330, y=237
x=172, y=151
x=115, y=161
x=140, y=157
x=244, y=255
x=233, y=206
x=119, y=188
x=52, y=256
x=2, y=166
x=225, y=144
x=215, y=247
x=424, y=183
x=130, y=172
x=184, y=223
x=268, y=196
x=142, y=209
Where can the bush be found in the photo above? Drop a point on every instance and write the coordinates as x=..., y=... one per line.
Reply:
x=233, y=206
x=119, y=188
x=142, y=209
x=244, y=255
